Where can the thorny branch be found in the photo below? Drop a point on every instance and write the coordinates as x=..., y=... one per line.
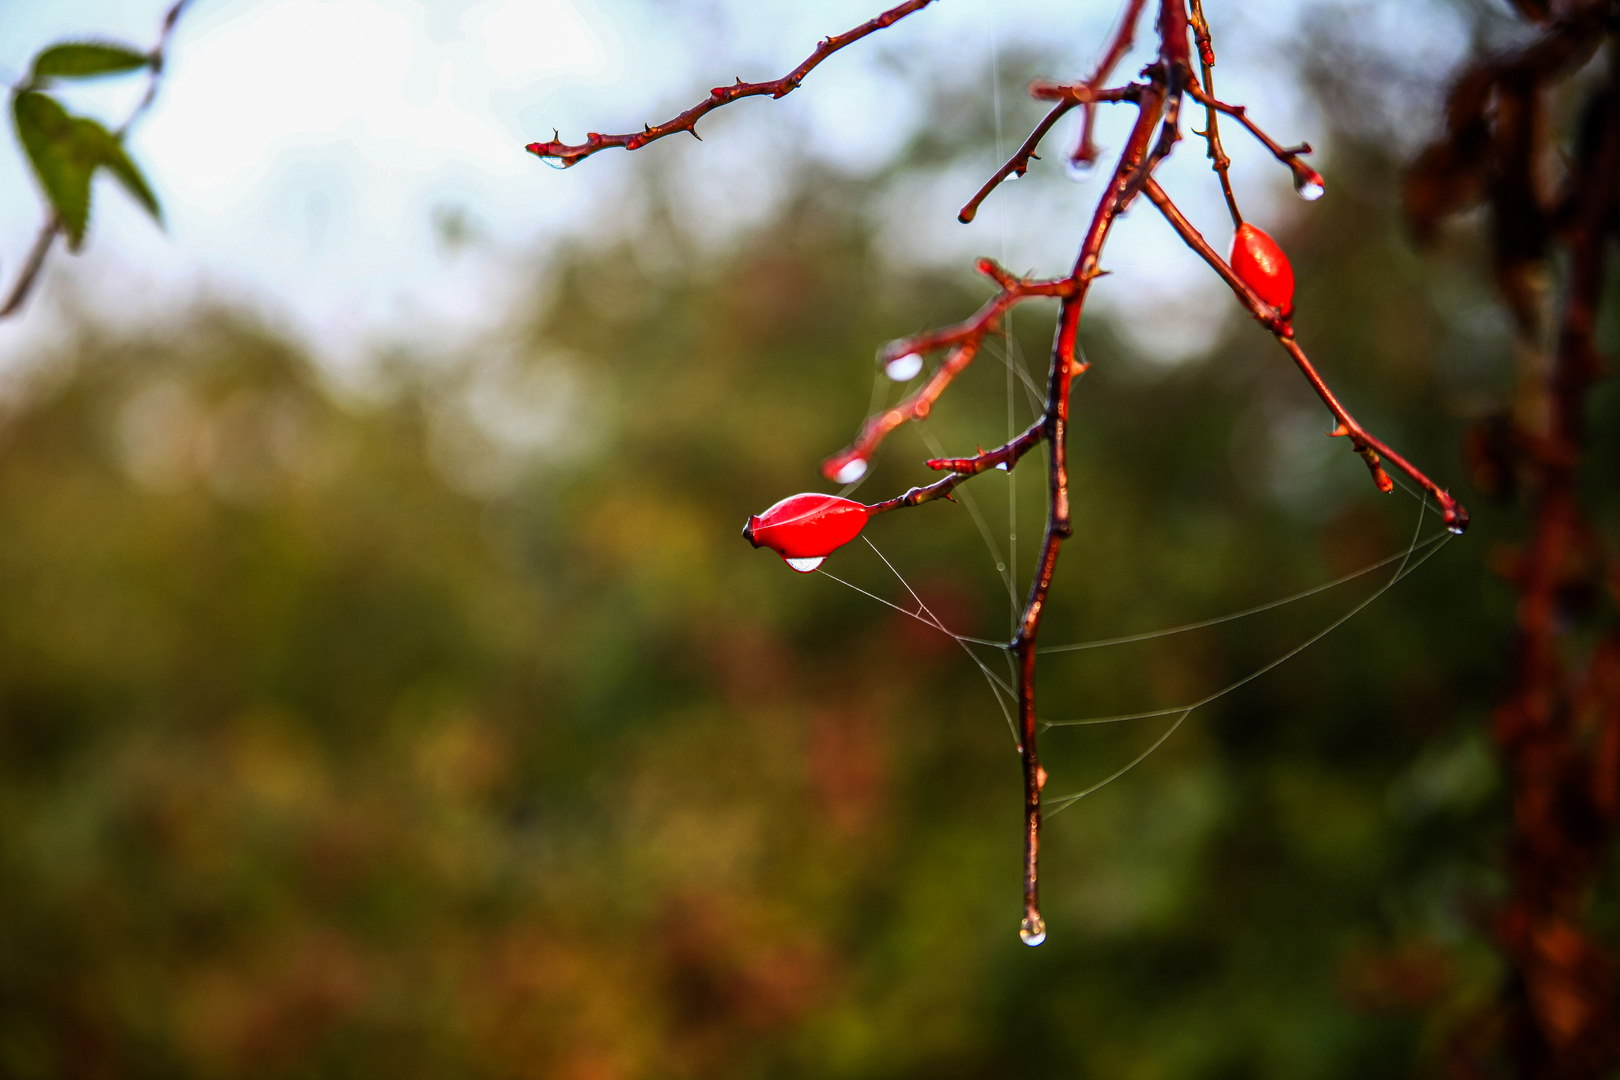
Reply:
x=565, y=155
x=1304, y=175
x=964, y=340
x=1067, y=97
x=1369, y=446
x=1212, y=128
x=1157, y=96
x=28, y=276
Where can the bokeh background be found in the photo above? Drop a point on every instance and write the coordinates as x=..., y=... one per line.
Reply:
x=385, y=689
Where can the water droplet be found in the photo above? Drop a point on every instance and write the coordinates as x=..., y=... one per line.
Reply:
x=1014, y=175
x=1079, y=170
x=852, y=471
x=554, y=162
x=903, y=368
x=1002, y=465
x=806, y=566
x=1308, y=182
x=1032, y=931
x=1456, y=528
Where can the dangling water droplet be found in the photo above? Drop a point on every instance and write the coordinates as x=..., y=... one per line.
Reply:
x=852, y=471
x=903, y=368
x=1456, y=528
x=1014, y=175
x=1079, y=170
x=555, y=162
x=806, y=566
x=1002, y=465
x=1308, y=183
x=1032, y=931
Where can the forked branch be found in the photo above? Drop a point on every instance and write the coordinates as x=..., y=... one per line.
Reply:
x=1157, y=96
x=964, y=340
x=1067, y=97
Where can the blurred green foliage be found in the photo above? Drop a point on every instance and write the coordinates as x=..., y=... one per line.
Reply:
x=66, y=150
x=456, y=732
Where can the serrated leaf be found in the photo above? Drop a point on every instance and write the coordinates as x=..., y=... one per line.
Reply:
x=86, y=59
x=64, y=156
x=65, y=151
x=117, y=161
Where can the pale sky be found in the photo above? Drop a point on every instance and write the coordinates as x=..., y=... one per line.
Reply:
x=302, y=148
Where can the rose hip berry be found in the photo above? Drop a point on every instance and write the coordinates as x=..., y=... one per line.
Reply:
x=805, y=529
x=1261, y=265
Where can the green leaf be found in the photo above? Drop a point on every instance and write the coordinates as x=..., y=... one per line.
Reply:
x=117, y=162
x=65, y=151
x=82, y=60
x=62, y=156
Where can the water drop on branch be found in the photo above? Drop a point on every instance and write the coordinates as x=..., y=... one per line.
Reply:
x=1308, y=183
x=903, y=369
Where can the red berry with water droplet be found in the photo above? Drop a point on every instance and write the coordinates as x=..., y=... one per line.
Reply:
x=805, y=529
x=1261, y=265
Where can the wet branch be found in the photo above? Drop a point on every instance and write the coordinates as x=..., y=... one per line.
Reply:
x=566, y=155
x=1157, y=97
x=1212, y=128
x=963, y=339
x=1304, y=175
x=1067, y=97
x=1369, y=446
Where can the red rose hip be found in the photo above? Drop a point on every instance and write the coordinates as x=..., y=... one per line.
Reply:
x=1261, y=265
x=805, y=529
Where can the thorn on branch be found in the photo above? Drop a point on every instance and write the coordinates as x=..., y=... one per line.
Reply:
x=1380, y=477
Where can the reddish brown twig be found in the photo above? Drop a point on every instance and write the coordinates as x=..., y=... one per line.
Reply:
x=1212, y=128
x=1304, y=175
x=1002, y=457
x=1018, y=163
x=964, y=340
x=1157, y=99
x=1085, y=151
x=1067, y=97
x=1366, y=444
x=566, y=155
